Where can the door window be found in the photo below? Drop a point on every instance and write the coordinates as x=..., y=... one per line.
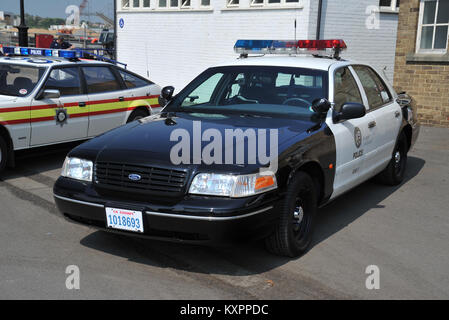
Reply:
x=375, y=89
x=66, y=80
x=346, y=89
x=100, y=79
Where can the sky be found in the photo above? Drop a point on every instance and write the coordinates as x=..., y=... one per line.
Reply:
x=56, y=8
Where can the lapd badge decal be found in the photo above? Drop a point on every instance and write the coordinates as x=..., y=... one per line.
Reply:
x=61, y=116
x=357, y=137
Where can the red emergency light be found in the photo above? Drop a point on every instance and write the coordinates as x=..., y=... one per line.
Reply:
x=331, y=47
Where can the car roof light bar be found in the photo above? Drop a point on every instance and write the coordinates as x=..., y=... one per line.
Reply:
x=43, y=52
x=332, y=47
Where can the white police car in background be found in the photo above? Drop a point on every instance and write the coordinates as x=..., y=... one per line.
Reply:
x=51, y=96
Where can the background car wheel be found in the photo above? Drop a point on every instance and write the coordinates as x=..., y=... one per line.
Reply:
x=293, y=232
x=394, y=172
x=137, y=114
x=3, y=154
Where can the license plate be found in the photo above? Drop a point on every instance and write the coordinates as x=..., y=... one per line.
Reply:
x=124, y=219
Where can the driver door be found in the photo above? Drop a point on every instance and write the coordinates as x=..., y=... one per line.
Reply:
x=353, y=139
x=60, y=119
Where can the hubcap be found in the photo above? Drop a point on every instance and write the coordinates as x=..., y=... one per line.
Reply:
x=298, y=216
x=397, y=157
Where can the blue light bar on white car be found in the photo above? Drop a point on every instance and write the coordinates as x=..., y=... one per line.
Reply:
x=23, y=51
x=333, y=47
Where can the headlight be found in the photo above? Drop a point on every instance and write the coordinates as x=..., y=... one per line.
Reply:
x=78, y=169
x=231, y=185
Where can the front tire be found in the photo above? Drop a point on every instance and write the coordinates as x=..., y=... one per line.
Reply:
x=3, y=154
x=393, y=174
x=294, y=230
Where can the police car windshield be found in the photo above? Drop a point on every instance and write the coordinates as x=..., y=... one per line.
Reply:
x=268, y=90
x=18, y=80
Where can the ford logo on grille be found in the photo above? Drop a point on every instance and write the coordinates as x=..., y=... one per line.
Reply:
x=134, y=177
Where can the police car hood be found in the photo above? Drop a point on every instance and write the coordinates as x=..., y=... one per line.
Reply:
x=150, y=141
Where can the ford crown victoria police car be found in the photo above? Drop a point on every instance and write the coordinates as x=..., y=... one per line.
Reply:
x=55, y=98
x=338, y=124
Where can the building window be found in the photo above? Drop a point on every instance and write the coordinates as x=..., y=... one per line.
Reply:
x=174, y=4
x=205, y=3
x=125, y=4
x=146, y=3
x=232, y=3
x=389, y=5
x=260, y=3
x=433, y=26
x=136, y=3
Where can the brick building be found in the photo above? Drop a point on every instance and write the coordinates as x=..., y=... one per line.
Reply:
x=422, y=58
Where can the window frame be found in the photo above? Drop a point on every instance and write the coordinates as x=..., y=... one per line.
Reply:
x=390, y=94
x=434, y=25
x=357, y=84
x=83, y=85
x=393, y=7
x=117, y=71
x=117, y=78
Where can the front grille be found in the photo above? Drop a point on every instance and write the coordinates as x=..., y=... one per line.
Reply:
x=154, y=180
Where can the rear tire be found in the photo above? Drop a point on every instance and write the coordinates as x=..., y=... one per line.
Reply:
x=3, y=154
x=137, y=114
x=393, y=174
x=294, y=230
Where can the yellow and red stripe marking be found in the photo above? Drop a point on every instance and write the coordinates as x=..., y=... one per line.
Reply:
x=30, y=114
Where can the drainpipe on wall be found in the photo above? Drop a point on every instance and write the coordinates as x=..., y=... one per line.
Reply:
x=115, y=31
x=318, y=24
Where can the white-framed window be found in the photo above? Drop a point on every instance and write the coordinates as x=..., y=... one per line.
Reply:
x=146, y=3
x=174, y=4
x=136, y=3
x=261, y=3
x=389, y=5
x=205, y=3
x=232, y=3
x=125, y=4
x=433, y=26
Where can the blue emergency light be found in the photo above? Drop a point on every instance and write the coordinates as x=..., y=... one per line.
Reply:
x=245, y=47
x=23, y=51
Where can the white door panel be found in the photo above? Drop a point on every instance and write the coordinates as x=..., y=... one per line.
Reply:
x=350, y=169
x=58, y=120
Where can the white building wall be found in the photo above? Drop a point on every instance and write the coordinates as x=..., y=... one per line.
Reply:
x=368, y=41
x=172, y=47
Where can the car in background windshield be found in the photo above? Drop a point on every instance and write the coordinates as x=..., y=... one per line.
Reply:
x=277, y=91
x=19, y=80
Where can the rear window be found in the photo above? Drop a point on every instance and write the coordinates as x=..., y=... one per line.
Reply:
x=132, y=81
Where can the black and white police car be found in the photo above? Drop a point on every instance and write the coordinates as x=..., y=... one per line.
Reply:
x=337, y=124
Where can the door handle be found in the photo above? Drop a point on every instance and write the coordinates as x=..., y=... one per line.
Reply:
x=121, y=98
x=82, y=104
x=397, y=114
x=372, y=124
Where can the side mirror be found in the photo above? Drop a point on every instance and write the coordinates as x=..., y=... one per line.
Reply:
x=321, y=106
x=50, y=94
x=167, y=92
x=350, y=110
x=403, y=99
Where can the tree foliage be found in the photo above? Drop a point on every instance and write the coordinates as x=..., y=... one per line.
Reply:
x=41, y=23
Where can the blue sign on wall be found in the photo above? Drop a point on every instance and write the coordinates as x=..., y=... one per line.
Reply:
x=121, y=23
